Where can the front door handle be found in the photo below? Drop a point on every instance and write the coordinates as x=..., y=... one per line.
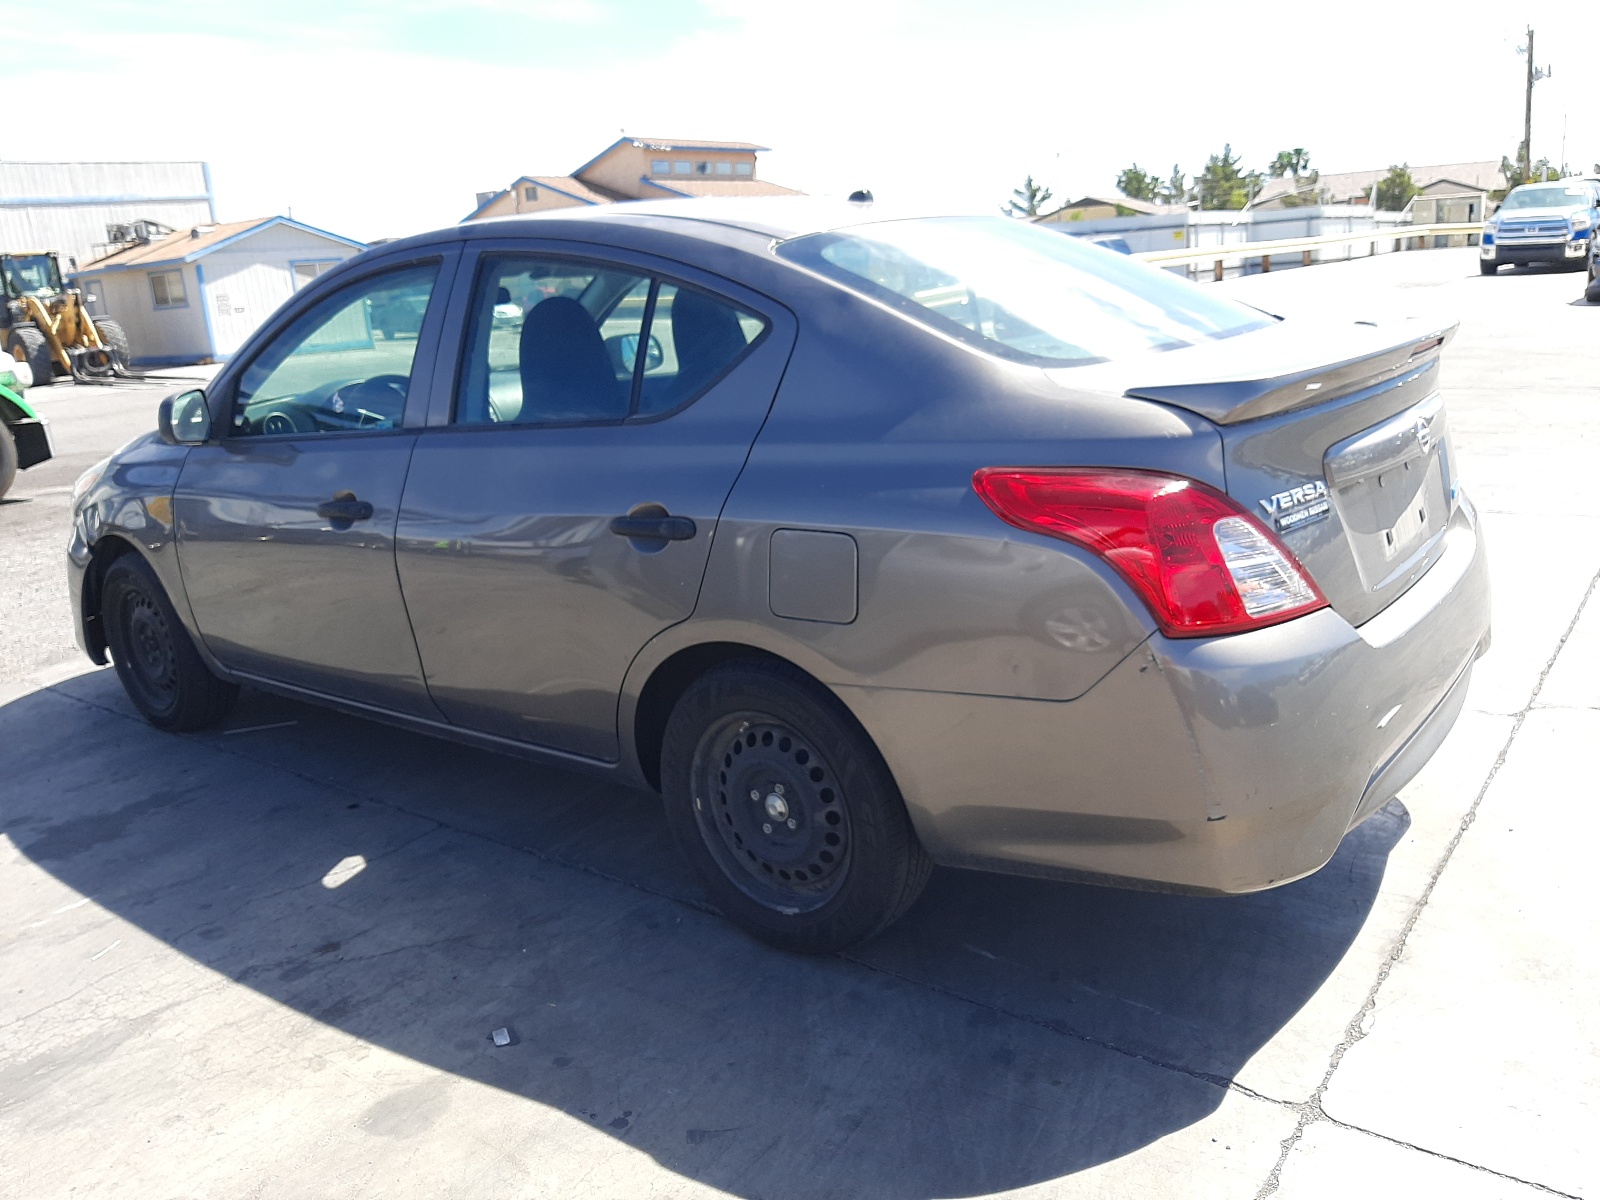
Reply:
x=653, y=528
x=344, y=507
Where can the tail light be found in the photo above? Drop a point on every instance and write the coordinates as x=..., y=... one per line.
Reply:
x=1202, y=564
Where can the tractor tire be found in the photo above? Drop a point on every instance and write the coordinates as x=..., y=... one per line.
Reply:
x=113, y=338
x=8, y=460
x=29, y=346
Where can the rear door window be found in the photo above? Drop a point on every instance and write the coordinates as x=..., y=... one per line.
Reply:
x=562, y=342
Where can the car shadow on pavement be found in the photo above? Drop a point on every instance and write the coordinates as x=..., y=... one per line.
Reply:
x=417, y=895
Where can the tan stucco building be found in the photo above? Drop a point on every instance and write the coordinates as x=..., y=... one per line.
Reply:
x=637, y=168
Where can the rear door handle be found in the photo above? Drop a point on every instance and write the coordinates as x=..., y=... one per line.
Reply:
x=661, y=529
x=344, y=507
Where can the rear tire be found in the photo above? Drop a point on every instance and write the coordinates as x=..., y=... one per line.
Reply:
x=160, y=669
x=29, y=346
x=786, y=810
x=1488, y=268
x=8, y=460
x=113, y=338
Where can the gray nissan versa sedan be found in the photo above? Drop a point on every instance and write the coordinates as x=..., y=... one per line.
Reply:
x=870, y=543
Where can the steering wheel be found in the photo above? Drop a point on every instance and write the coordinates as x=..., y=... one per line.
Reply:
x=287, y=417
x=383, y=398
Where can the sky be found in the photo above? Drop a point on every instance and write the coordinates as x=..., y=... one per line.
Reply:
x=380, y=118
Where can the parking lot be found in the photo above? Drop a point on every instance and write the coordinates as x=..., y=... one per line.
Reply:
x=266, y=960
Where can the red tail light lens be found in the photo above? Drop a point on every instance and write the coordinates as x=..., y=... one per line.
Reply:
x=1201, y=563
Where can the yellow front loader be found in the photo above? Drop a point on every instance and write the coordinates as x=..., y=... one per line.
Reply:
x=46, y=325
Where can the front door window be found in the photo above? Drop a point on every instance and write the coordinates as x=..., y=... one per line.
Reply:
x=344, y=365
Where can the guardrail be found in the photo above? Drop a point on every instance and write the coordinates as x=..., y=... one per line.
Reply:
x=1266, y=251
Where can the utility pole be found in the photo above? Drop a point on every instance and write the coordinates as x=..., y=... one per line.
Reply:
x=1534, y=75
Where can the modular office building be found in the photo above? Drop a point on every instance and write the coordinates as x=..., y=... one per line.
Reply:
x=197, y=294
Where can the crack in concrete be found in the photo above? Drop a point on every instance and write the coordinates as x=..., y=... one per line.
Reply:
x=1356, y=1030
x=1394, y=1141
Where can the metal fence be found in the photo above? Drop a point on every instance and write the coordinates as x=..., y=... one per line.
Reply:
x=1238, y=254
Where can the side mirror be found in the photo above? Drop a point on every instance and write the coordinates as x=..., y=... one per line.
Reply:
x=653, y=354
x=184, y=419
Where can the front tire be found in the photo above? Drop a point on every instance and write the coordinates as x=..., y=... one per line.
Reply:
x=8, y=460
x=786, y=810
x=160, y=669
x=1488, y=268
x=30, y=346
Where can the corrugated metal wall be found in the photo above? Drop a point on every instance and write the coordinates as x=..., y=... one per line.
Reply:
x=245, y=282
x=66, y=206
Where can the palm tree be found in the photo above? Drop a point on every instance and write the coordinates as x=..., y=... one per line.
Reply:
x=1293, y=163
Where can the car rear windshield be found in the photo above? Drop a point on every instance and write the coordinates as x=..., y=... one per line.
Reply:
x=1546, y=197
x=1019, y=291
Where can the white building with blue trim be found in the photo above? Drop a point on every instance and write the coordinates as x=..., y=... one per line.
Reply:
x=195, y=295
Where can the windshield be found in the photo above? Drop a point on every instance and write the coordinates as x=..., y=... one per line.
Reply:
x=1019, y=291
x=1546, y=197
x=30, y=274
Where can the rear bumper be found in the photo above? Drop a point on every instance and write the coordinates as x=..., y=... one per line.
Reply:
x=1224, y=765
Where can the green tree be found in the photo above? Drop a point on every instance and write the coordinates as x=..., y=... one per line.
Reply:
x=1396, y=188
x=1027, y=200
x=1176, y=189
x=1138, y=184
x=1540, y=172
x=1223, y=185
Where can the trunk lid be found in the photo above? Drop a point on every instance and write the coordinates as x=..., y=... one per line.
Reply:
x=1334, y=437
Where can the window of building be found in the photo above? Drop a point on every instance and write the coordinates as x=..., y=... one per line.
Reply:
x=682, y=168
x=305, y=272
x=529, y=192
x=724, y=168
x=744, y=169
x=328, y=372
x=167, y=289
x=557, y=343
x=660, y=166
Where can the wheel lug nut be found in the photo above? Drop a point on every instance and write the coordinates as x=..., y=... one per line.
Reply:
x=766, y=829
x=791, y=822
x=778, y=787
x=754, y=795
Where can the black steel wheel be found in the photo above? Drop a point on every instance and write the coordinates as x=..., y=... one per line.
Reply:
x=160, y=669
x=771, y=811
x=787, y=811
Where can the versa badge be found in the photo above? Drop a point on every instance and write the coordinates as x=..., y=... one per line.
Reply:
x=1298, y=506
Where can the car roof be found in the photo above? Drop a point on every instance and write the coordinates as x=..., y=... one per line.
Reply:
x=780, y=217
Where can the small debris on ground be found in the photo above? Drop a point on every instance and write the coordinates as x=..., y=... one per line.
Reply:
x=501, y=1036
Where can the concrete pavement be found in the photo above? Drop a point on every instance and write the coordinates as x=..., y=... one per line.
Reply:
x=266, y=960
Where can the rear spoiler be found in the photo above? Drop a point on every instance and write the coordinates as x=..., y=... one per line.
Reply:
x=1227, y=402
